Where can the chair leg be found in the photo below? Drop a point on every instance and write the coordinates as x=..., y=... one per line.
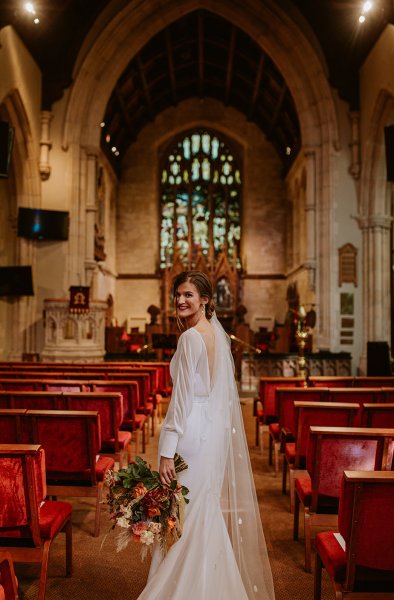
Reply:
x=44, y=570
x=284, y=475
x=98, y=508
x=308, y=550
x=69, y=547
x=296, y=517
x=137, y=437
x=143, y=439
x=276, y=457
x=317, y=580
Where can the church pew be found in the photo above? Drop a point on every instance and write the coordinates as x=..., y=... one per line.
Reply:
x=332, y=450
x=284, y=399
x=27, y=516
x=11, y=431
x=109, y=405
x=360, y=559
x=373, y=382
x=72, y=443
x=8, y=580
x=307, y=414
x=331, y=381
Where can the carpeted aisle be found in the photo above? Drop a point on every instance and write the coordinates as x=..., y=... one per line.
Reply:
x=100, y=573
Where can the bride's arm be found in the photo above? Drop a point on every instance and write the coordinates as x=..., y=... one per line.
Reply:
x=188, y=353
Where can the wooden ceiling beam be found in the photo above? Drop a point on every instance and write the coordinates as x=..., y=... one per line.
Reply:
x=200, y=42
x=124, y=110
x=145, y=87
x=278, y=109
x=230, y=64
x=171, y=70
x=256, y=87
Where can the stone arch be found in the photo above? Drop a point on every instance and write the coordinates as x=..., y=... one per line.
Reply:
x=25, y=189
x=279, y=32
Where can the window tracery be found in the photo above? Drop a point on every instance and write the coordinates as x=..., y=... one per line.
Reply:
x=200, y=200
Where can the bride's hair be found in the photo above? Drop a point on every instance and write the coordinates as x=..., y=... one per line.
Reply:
x=203, y=285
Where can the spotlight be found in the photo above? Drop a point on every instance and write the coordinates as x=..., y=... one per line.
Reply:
x=102, y=124
x=36, y=21
x=30, y=8
x=288, y=150
x=107, y=138
x=361, y=19
x=367, y=7
x=113, y=148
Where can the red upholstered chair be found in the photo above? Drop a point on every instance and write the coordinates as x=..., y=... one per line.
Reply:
x=378, y=382
x=8, y=581
x=110, y=408
x=265, y=406
x=331, y=381
x=360, y=559
x=72, y=441
x=285, y=397
x=11, y=425
x=64, y=385
x=23, y=385
x=35, y=400
x=132, y=421
x=388, y=395
x=307, y=414
x=28, y=522
x=332, y=450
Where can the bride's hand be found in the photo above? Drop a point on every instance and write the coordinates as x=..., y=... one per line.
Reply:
x=167, y=470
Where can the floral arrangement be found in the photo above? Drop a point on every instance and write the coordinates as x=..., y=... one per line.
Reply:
x=144, y=507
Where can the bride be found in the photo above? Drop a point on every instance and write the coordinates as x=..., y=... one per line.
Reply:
x=221, y=554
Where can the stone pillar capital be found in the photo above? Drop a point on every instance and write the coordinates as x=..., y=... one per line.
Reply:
x=374, y=221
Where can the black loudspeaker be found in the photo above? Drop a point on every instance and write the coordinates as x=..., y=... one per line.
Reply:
x=378, y=359
x=389, y=143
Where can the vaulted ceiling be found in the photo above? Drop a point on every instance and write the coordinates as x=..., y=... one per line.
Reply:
x=200, y=55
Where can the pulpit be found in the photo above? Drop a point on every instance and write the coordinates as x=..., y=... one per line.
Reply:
x=71, y=336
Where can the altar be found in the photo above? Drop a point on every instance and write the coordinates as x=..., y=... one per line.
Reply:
x=286, y=365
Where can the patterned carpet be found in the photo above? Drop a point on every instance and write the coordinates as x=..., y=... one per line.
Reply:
x=100, y=573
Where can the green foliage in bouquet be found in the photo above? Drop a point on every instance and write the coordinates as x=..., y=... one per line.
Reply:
x=147, y=509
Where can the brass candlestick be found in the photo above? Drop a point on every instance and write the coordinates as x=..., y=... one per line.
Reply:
x=301, y=339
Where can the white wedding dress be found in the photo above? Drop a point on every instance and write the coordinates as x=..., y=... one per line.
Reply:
x=221, y=554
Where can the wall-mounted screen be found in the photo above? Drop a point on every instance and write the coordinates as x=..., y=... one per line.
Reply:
x=16, y=281
x=39, y=224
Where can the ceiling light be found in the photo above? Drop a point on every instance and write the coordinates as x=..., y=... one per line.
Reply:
x=102, y=124
x=36, y=21
x=361, y=19
x=367, y=7
x=288, y=150
x=117, y=153
x=107, y=138
x=30, y=8
x=113, y=148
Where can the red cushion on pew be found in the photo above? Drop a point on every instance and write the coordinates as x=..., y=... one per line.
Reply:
x=290, y=452
x=332, y=555
x=124, y=438
x=138, y=422
x=327, y=504
x=260, y=414
x=103, y=464
x=52, y=516
x=274, y=430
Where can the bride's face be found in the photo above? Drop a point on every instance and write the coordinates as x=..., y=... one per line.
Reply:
x=188, y=302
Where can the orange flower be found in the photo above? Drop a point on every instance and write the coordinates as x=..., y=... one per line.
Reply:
x=171, y=521
x=139, y=490
x=153, y=511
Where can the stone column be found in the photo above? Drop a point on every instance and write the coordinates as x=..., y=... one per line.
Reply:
x=91, y=209
x=376, y=280
x=310, y=218
x=45, y=144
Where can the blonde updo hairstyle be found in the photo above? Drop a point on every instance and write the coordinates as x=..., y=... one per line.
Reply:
x=203, y=285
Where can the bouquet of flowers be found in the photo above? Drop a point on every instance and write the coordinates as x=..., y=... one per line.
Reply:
x=147, y=509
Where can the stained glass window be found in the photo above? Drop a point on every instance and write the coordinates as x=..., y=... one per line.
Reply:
x=200, y=199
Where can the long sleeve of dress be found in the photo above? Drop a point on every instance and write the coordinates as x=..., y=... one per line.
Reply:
x=186, y=359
